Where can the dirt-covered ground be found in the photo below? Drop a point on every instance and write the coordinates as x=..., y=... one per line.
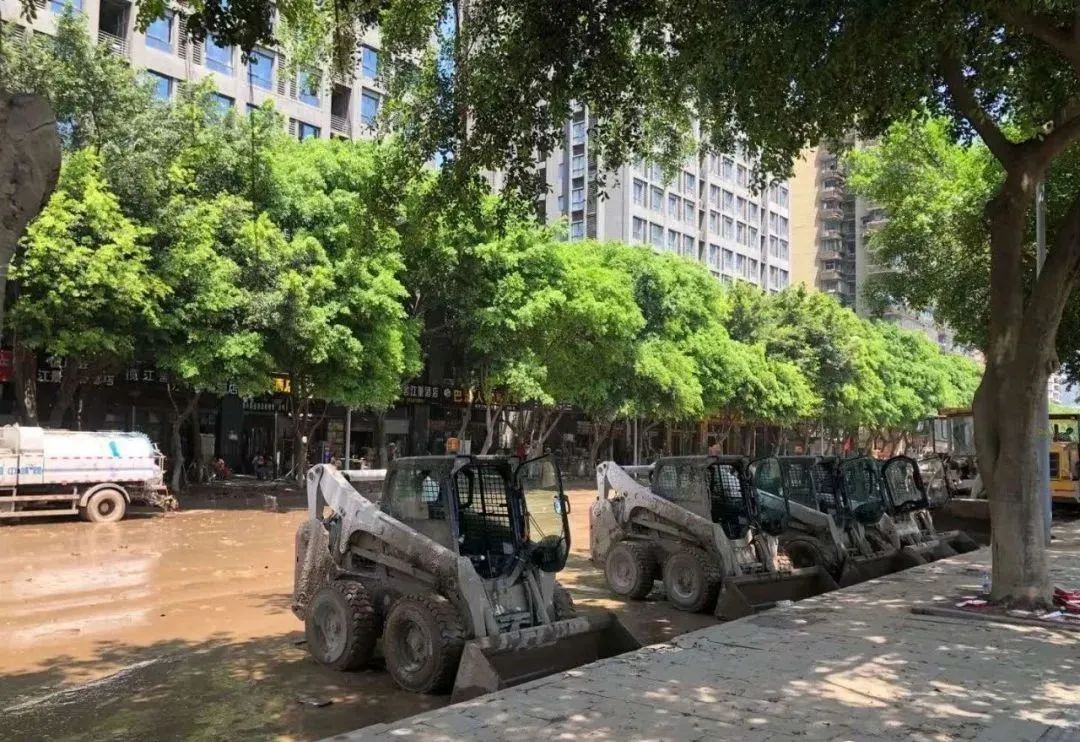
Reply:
x=178, y=626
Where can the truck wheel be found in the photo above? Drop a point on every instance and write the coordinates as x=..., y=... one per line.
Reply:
x=691, y=581
x=340, y=626
x=422, y=642
x=806, y=552
x=104, y=506
x=563, y=604
x=630, y=570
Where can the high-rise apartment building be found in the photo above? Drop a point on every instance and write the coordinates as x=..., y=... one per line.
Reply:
x=313, y=103
x=706, y=211
x=831, y=228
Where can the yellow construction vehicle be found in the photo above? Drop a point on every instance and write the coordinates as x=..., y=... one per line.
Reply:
x=1064, y=462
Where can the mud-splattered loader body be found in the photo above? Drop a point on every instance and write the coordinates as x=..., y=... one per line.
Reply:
x=450, y=572
x=697, y=527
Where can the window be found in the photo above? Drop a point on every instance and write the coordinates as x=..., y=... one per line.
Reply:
x=741, y=210
x=577, y=132
x=714, y=196
x=369, y=62
x=689, y=183
x=783, y=249
x=729, y=228
x=783, y=225
x=673, y=240
x=783, y=196
x=261, y=72
x=740, y=232
x=773, y=221
x=673, y=204
x=639, y=192
x=562, y=204
x=305, y=130
x=753, y=212
x=639, y=230
x=753, y=270
x=774, y=246
x=729, y=168
x=218, y=58
x=729, y=201
x=656, y=235
x=729, y=260
x=369, y=107
x=159, y=33
x=783, y=278
x=830, y=265
x=773, y=276
x=577, y=199
x=57, y=6
x=163, y=85
x=688, y=245
x=577, y=166
x=743, y=176
x=688, y=213
x=656, y=198
x=577, y=230
x=714, y=222
x=307, y=87
x=223, y=103
x=655, y=173
x=740, y=265
x=714, y=256
x=754, y=238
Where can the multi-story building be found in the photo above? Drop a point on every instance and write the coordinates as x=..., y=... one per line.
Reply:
x=1056, y=388
x=831, y=227
x=706, y=211
x=313, y=103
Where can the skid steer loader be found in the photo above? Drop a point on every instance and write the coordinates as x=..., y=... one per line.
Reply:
x=837, y=518
x=909, y=505
x=696, y=526
x=453, y=570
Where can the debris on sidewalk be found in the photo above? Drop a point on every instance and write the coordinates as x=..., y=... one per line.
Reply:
x=314, y=702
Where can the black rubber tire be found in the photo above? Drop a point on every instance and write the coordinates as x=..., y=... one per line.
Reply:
x=563, y=604
x=691, y=581
x=804, y=551
x=630, y=570
x=340, y=626
x=104, y=506
x=422, y=641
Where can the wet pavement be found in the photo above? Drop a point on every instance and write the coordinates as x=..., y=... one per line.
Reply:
x=178, y=627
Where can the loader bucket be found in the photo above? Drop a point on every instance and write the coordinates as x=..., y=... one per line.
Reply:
x=960, y=542
x=862, y=568
x=743, y=595
x=501, y=661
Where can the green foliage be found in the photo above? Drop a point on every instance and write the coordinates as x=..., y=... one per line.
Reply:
x=85, y=283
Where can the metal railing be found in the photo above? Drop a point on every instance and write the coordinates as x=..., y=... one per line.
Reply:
x=115, y=44
x=340, y=124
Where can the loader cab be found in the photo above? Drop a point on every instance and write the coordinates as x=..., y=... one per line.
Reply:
x=850, y=488
x=903, y=485
x=937, y=479
x=477, y=506
x=717, y=488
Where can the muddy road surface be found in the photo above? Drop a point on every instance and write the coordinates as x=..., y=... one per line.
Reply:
x=178, y=627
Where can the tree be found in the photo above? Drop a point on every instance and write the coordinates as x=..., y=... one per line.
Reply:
x=335, y=319
x=85, y=285
x=210, y=333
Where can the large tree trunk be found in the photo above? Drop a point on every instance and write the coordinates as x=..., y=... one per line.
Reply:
x=25, y=360
x=1020, y=357
x=70, y=381
x=598, y=439
x=179, y=417
x=29, y=168
x=491, y=422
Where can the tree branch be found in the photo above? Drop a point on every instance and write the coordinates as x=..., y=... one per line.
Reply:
x=966, y=105
x=1063, y=41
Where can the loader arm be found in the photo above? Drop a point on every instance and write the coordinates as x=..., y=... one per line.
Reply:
x=326, y=486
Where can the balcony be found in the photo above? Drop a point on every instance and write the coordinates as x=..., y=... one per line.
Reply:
x=875, y=221
x=829, y=255
x=831, y=210
x=830, y=233
x=115, y=44
x=832, y=191
x=340, y=125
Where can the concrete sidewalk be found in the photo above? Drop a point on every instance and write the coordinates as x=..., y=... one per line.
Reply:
x=855, y=664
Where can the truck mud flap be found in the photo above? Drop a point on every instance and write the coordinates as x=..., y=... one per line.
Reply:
x=495, y=662
x=743, y=595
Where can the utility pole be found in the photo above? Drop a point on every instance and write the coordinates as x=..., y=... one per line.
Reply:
x=1042, y=423
x=348, y=438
